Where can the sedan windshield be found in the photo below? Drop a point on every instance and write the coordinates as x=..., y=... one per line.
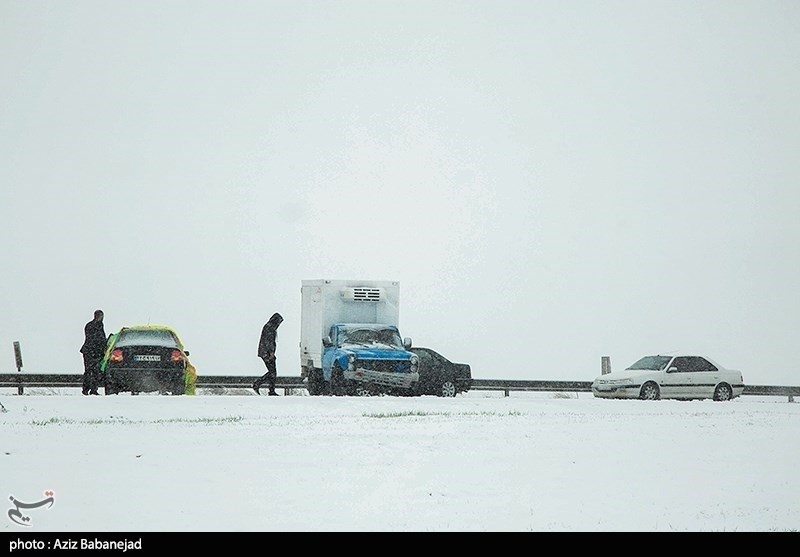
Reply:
x=153, y=337
x=654, y=363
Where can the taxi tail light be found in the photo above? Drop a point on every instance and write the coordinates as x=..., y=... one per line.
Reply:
x=176, y=356
x=115, y=356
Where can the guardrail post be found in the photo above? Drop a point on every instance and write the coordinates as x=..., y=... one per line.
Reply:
x=18, y=358
x=605, y=365
x=791, y=398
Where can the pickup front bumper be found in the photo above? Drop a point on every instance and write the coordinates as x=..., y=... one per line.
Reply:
x=384, y=378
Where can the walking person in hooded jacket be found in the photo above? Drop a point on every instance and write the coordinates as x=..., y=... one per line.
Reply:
x=267, y=345
x=93, y=349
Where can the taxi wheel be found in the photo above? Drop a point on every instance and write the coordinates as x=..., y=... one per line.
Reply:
x=178, y=387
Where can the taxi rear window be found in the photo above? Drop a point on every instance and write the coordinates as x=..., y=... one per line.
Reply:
x=146, y=338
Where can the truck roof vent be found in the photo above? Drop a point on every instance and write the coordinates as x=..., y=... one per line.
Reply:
x=363, y=294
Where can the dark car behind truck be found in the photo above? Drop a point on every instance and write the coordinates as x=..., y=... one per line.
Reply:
x=439, y=376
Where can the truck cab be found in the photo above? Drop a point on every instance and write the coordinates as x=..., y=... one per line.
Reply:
x=368, y=358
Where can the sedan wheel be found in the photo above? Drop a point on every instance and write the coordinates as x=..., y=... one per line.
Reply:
x=723, y=392
x=448, y=389
x=649, y=392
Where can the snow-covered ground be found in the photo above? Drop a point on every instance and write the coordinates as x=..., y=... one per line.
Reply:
x=478, y=462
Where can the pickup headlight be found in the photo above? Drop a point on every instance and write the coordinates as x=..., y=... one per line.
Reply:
x=351, y=362
x=414, y=363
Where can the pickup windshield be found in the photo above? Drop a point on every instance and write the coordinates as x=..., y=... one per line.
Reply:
x=387, y=337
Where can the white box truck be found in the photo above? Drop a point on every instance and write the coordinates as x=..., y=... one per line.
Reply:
x=350, y=342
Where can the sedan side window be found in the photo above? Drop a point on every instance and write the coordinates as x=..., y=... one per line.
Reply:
x=701, y=364
x=682, y=364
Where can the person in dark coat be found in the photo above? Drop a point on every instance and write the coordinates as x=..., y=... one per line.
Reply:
x=93, y=349
x=267, y=345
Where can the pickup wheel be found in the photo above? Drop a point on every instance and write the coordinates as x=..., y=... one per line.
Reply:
x=316, y=383
x=338, y=384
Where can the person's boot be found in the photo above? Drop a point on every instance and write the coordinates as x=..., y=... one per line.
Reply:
x=256, y=386
x=273, y=393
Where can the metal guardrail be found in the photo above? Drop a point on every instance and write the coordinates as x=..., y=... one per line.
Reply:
x=528, y=385
x=20, y=381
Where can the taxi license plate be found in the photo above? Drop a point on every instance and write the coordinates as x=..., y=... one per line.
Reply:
x=147, y=358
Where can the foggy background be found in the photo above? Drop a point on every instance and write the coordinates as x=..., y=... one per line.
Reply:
x=550, y=182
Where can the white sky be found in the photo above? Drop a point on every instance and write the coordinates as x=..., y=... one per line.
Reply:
x=477, y=462
x=550, y=182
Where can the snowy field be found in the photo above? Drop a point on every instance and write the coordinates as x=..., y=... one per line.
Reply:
x=480, y=462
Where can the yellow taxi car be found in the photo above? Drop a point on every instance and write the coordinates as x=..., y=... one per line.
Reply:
x=147, y=358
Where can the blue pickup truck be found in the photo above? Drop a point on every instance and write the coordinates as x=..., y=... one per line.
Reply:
x=368, y=359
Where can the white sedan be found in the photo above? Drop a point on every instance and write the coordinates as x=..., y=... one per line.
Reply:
x=681, y=377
